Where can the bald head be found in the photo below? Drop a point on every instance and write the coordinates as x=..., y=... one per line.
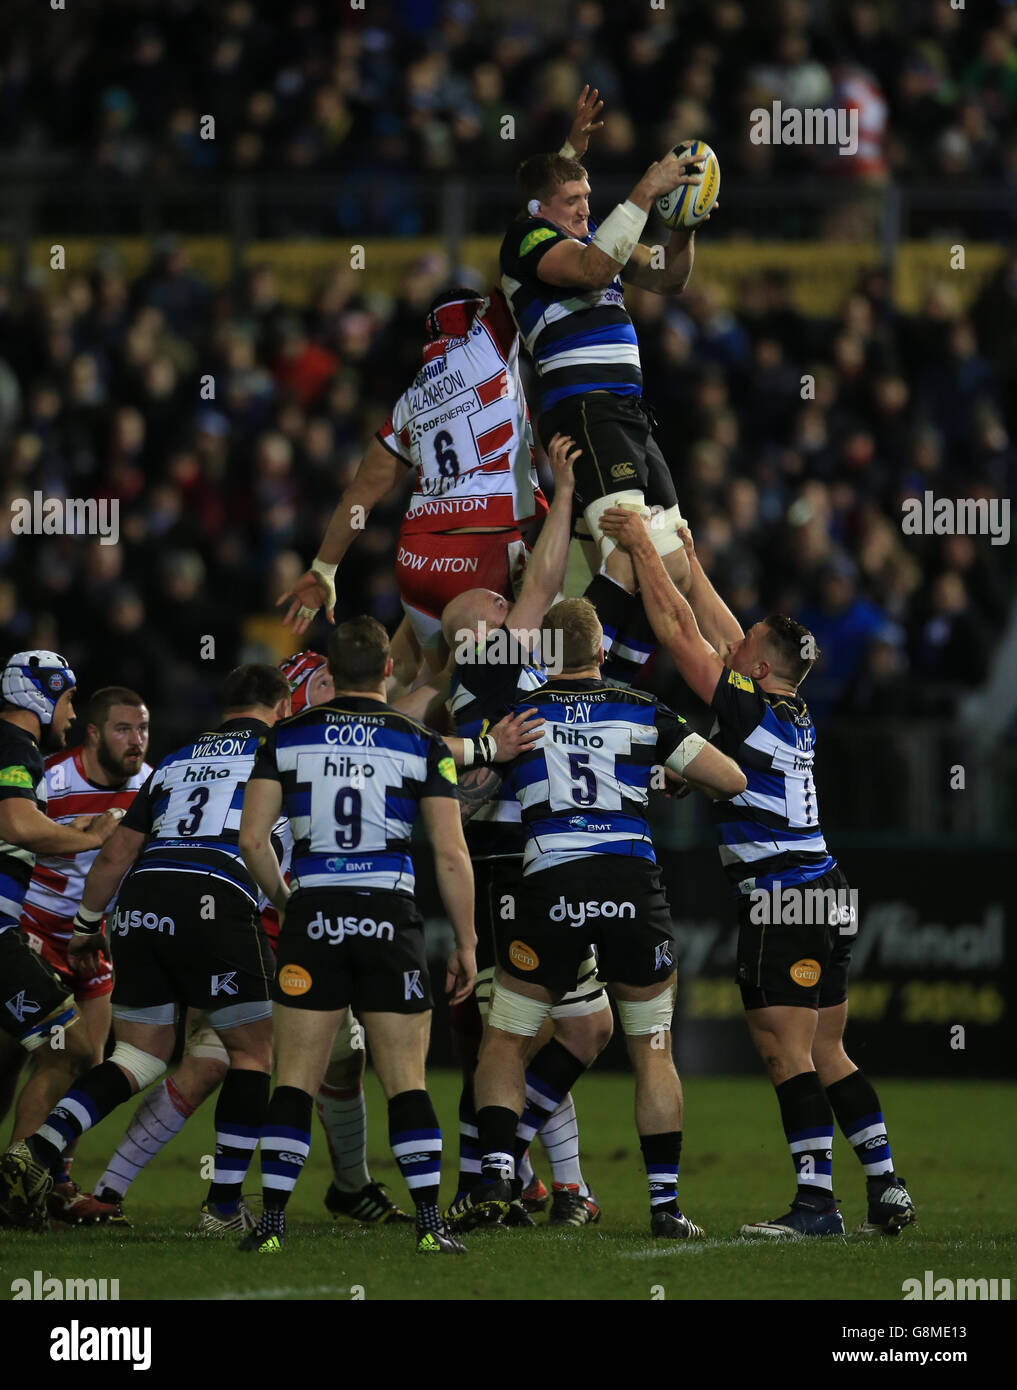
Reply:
x=468, y=610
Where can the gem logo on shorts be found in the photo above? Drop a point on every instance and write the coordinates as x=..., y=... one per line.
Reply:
x=523, y=957
x=294, y=979
x=805, y=972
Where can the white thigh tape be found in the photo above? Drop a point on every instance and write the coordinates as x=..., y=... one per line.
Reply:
x=516, y=1013
x=642, y=1016
x=142, y=1065
x=664, y=531
x=631, y=499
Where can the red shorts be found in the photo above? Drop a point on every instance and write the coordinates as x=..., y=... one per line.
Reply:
x=431, y=570
x=270, y=921
x=52, y=946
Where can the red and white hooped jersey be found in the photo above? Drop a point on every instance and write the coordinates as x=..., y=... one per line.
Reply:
x=54, y=893
x=464, y=426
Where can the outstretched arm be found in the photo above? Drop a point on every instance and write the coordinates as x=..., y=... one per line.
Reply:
x=716, y=622
x=672, y=619
x=545, y=569
x=378, y=474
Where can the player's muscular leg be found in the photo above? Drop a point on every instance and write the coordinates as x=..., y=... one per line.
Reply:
x=57, y=1064
x=783, y=1037
x=398, y=1045
x=98, y=1018
x=303, y=1041
x=659, y=1102
x=346, y=1063
x=832, y=1062
x=677, y=566
x=205, y=1061
x=585, y=1037
x=249, y=1045
x=501, y=1067
x=12, y=1059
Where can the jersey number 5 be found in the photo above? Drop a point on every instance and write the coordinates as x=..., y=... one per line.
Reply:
x=580, y=772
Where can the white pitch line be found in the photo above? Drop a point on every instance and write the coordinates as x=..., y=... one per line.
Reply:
x=249, y=1295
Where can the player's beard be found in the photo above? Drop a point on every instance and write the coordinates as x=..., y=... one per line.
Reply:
x=50, y=741
x=113, y=766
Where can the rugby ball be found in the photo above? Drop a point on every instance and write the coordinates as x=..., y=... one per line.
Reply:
x=689, y=204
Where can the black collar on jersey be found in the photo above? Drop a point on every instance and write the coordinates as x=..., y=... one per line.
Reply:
x=576, y=683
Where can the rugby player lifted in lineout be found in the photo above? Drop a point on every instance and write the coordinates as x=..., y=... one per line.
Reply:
x=562, y=275
x=463, y=425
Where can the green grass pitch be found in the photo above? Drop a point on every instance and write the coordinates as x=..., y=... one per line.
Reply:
x=949, y=1139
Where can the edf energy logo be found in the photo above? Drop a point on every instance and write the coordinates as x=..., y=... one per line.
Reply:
x=577, y=913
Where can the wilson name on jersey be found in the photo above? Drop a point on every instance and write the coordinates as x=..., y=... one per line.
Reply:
x=191, y=805
x=480, y=693
x=578, y=341
x=584, y=789
x=463, y=425
x=21, y=778
x=770, y=833
x=54, y=894
x=352, y=774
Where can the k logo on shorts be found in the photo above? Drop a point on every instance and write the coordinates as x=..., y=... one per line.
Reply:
x=412, y=988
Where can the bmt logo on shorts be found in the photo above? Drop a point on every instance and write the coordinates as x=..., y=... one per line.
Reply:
x=523, y=957
x=294, y=979
x=805, y=972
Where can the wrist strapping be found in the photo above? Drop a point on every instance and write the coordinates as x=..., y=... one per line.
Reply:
x=326, y=573
x=568, y=151
x=618, y=234
x=87, y=923
x=688, y=750
x=479, y=752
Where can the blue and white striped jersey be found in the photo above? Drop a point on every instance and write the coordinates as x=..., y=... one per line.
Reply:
x=481, y=692
x=190, y=807
x=578, y=340
x=584, y=789
x=22, y=776
x=770, y=833
x=353, y=772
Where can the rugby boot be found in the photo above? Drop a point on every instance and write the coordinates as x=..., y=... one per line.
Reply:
x=674, y=1226
x=115, y=1202
x=482, y=1204
x=439, y=1243
x=535, y=1197
x=210, y=1223
x=889, y=1210
x=371, y=1205
x=568, y=1208
x=68, y=1205
x=24, y=1187
x=809, y=1216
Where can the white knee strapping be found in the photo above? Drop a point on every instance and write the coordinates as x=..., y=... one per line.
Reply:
x=517, y=1013
x=641, y=1016
x=142, y=1065
x=664, y=531
x=204, y=1041
x=631, y=499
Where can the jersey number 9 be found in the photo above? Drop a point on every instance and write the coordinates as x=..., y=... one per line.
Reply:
x=347, y=816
